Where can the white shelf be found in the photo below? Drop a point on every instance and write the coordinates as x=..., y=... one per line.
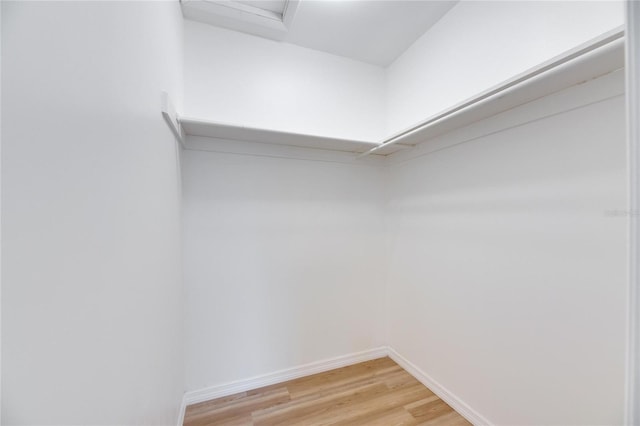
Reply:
x=212, y=129
x=597, y=57
x=593, y=59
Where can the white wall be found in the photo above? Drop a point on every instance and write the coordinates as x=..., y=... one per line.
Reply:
x=283, y=263
x=507, y=279
x=238, y=78
x=479, y=44
x=91, y=298
x=0, y=215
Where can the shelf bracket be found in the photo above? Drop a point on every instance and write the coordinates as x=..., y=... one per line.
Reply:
x=171, y=118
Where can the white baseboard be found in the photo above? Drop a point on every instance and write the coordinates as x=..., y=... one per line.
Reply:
x=443, y=393
x=256, y=382
x=231, y=388
x=183, y=409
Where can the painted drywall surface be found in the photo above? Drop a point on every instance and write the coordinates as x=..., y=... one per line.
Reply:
x=507, y=273
x=479, y=44
x=242, y=79
x=282, y=263
x=0, y=217
x=92, y=296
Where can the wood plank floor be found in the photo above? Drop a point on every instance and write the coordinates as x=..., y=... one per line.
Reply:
x=377, y=392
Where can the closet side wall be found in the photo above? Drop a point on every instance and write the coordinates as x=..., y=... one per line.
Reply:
x=92, y=321
x=283, y=263
x=507, y=280
x=479, y=44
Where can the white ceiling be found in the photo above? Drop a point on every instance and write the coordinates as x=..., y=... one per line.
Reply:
x=372, y=31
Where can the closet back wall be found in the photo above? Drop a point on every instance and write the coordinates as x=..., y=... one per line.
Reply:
x=283, y=263
x=237, y=78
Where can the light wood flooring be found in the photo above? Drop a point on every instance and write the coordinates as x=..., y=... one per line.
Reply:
x=377, y=392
